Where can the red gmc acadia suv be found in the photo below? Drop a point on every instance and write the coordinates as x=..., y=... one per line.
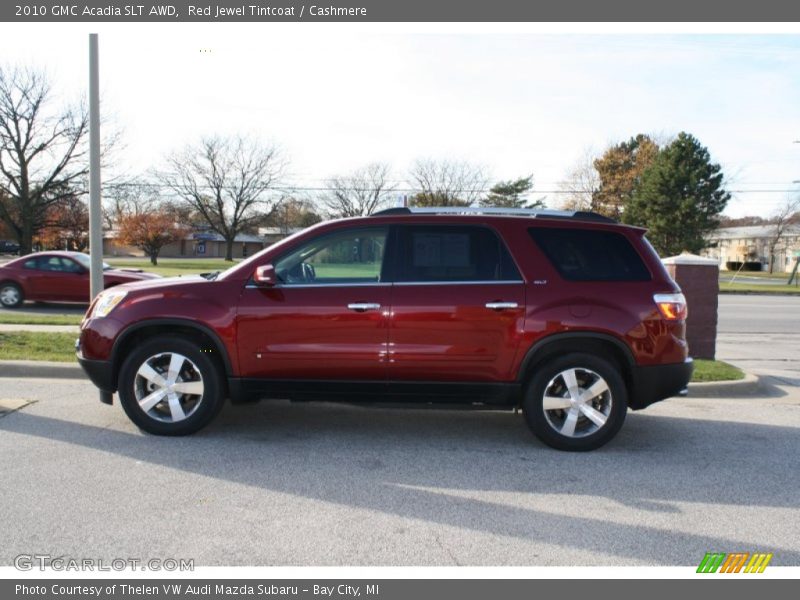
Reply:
x=568, y=315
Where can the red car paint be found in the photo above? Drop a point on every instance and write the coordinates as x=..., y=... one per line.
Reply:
x=67, y=285
x=430, y=333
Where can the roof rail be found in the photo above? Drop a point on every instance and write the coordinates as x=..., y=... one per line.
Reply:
x=478, y=210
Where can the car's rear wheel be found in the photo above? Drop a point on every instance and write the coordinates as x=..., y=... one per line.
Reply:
x=576, y=402
x=168, y=386
x=11, y=295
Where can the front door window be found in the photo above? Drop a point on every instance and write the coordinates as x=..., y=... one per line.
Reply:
x=340, y=258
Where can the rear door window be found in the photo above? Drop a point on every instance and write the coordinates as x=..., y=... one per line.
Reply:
x=591, y=255
x=452, y=253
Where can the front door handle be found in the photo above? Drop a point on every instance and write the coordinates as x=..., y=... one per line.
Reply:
x=501, y=305
x=363, y=306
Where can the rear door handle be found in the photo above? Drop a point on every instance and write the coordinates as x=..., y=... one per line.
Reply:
x=501, y=305
x=363, y=306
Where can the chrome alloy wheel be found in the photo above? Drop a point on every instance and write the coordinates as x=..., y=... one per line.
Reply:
x=577, y=402
x=9, y=295
x=168, y=387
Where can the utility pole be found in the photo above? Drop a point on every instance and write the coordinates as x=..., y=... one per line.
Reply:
x=95, y=205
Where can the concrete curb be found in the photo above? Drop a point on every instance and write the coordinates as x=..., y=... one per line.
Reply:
x=41, y=369
x=750, y=385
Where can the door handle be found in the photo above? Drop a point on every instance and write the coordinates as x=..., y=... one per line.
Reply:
x=363, y=306
x=501, y=305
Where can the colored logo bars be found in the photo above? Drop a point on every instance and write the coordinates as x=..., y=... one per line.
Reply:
x=744, y=562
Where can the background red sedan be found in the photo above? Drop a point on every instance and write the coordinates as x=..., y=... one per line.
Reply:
x=56, y=277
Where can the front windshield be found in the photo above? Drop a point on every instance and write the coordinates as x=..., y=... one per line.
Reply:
x=86, y=261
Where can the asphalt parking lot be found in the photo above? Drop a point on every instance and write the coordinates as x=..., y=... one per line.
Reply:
x=318, y=484
x=761, y=334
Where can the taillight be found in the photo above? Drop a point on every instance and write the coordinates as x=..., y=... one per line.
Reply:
x=671, y=306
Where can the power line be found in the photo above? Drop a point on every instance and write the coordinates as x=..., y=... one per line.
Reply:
x=304, y=188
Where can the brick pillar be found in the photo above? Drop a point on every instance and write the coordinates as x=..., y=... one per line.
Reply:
x=698, y=278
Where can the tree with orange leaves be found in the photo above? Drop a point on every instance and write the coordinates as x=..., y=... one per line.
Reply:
x=151, y=230
x=66, y=225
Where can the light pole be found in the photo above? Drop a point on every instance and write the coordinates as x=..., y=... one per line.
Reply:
x=95, y=207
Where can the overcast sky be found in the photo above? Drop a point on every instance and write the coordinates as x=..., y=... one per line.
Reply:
x=335, y=98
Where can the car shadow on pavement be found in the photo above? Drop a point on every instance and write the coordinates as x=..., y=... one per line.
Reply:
x=481, y=471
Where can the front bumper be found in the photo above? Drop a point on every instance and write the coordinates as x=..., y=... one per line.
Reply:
x=100, y=373
x=650, y=384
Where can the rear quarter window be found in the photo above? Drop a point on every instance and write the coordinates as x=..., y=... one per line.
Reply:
x=591, y=255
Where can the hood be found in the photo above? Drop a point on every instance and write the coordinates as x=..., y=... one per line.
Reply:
x=131, y=274
x=150, y=283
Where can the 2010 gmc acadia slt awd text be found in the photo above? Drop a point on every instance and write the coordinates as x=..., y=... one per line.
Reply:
x=570, y=316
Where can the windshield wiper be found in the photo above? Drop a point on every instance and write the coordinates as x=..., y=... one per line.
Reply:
x=210, y=276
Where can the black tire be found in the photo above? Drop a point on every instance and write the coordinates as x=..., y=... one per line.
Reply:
x=608, y=407
x=199, y=410
x=11, y=295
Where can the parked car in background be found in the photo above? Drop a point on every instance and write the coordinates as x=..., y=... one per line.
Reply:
x=570, y=316
x=7, y=247
x=56, y=277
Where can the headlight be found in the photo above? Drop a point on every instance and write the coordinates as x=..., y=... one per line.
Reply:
x=106, y=303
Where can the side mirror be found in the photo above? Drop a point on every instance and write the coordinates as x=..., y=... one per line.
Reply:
x=266, y=276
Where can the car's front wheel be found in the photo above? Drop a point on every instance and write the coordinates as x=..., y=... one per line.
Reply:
x=11, y=295
x=576, y=402
x=168, y=386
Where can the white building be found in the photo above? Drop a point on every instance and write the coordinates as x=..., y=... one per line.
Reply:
x=733, y=245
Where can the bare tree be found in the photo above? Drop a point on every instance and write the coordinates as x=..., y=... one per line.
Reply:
x=447, y=183
x=581, y=184
x=782, y=220
x=360, y=193
x=127, y=198
x=225, y=179
x=292, y=213
x=42, y=152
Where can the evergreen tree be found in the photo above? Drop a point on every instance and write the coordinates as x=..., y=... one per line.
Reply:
x=679, y=197
x=511, y=194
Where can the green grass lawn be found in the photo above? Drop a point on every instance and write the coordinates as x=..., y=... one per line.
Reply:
x=759, y=274
x=28, y=345
x=11, y=318
x=169, y=267
x=339, y=270
x=715, y=370
x=761, y=289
